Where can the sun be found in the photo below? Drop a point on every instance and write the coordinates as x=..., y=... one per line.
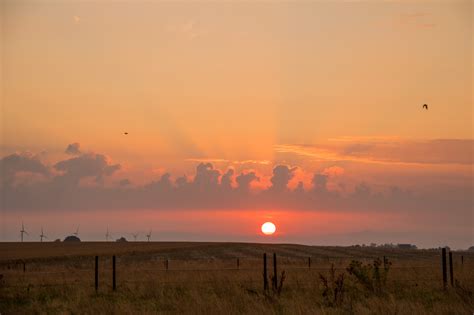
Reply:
x=268, y=228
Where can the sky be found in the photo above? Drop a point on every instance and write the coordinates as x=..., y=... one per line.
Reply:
x=304, y=113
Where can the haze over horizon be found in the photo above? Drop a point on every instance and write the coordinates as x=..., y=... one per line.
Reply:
x=306, y=114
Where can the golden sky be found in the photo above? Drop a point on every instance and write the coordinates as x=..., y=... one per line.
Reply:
x=334, y=87
x=230, y=80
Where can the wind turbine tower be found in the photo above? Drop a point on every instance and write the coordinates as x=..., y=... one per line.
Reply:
x=135, y=237
x=42, y=235
x=23, y=231
x=148, y=236
x=107, y=235
x=77, y=231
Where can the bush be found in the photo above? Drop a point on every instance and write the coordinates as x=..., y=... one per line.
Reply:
x=371, y=277
x=333, y=287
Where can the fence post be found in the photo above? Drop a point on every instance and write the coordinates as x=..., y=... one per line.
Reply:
x=462, y=260
x=238, y=263
x=114, y=284
x=384, y=262
x=24, y=266
x=443, y=263
x=275, y=276
x=167, y=264
x=309, y=262
x=451, y=274
x=265, y=278
x=96, y=273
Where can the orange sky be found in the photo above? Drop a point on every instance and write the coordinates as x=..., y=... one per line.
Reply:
x=330, y=87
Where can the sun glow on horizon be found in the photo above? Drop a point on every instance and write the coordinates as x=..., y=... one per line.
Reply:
x=268, y=228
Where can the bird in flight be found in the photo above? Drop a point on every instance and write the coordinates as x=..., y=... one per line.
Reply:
x=425, y=106
x=125, y=133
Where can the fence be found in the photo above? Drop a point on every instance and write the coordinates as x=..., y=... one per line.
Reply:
x=302, y=266
x=107, y=272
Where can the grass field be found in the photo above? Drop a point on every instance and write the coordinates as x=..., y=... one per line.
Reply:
x=227, y=278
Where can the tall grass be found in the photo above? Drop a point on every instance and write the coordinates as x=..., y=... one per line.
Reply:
x=215, y=286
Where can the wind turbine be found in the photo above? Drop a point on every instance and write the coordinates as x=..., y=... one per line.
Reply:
x=23, y=231
x=148, y=236
x=107, y=235
x=77, y=231
x=42, y=235
x=135, y=237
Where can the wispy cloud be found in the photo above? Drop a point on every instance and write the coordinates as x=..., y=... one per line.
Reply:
x=237, y=162
x=386, y=150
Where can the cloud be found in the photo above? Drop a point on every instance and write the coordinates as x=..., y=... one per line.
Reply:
x=319, y=182
x=226, y=161
x=85, y=165
x=207, y=178
x=125, y=182
x=386, y=151
x=15, y=163
x=226, y=180
x=244, y=180
x=333, y=171
x=282, y=175
x=73, y=149
x=163, y=184
x=210, y=188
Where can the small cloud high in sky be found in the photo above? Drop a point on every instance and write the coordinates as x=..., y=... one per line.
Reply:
x=202, y=120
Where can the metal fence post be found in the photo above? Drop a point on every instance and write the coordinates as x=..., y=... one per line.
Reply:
x=96, y=273
x=443, y=264
x=451, y=273
x=114, y=284
x=265, y=277
x=275, y=276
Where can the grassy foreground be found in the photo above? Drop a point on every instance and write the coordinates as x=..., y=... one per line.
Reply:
x=219, y=278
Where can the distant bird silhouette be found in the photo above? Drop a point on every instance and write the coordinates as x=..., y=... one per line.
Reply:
x=125, y=133
x=425, y=106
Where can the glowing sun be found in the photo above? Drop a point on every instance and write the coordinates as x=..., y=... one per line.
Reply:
x=268, y=228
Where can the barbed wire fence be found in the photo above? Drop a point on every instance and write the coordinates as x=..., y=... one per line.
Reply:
x=115, y=271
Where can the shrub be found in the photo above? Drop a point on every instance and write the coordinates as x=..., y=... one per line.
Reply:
x=333, y=287
x=371, y=277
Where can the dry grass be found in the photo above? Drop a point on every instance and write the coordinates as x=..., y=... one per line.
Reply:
x=203, y=279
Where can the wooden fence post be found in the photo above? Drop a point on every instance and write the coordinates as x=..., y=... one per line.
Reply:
x=114, y=284
x=96, y=273
x=238, y=263
x=275, y=275
x=265, y=278
x=443, y=264
x=309, y=262
x=167, y=264
x=451, y=273
x=384, y=262
x=24, y=266
x=462, y=260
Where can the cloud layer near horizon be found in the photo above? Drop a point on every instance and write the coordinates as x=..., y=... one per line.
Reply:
x=88, y=180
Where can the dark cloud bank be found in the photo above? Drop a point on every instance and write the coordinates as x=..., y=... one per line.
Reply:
x=29, y=184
